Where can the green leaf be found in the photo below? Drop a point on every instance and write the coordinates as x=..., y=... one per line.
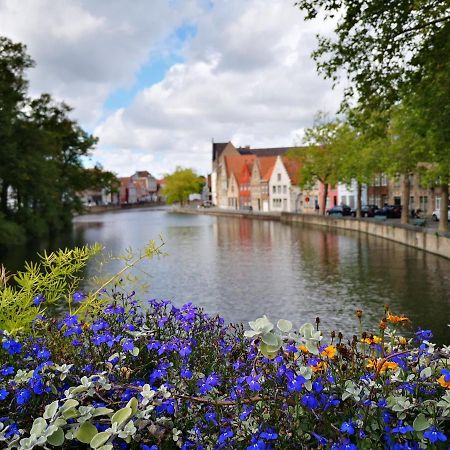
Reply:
x=50, y=410
x=102, y=411
x=86, y=432
x=39, y=425
x=57, y=438
x=106, y=447
x=70, y=413
x=421, y=423
x=284, y=325
x=135, y=351
x=99, y=439
x=121, y=416
x=270, y=339
x=133, y=404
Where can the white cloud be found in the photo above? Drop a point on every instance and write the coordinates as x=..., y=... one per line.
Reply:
x=246, y=76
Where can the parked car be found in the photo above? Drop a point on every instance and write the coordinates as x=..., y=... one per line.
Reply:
x=366, y=210
x=344, y=210
x=205, y=204
x=390, y=211
x=437, y=214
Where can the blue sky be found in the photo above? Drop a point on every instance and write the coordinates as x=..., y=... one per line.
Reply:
x=155, y=81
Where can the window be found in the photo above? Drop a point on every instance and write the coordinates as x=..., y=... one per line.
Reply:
x=274, y=189
x=285, y=204
x=423, y=203
x=284, y=189
x=278, y=176
x=438, y=202
x=279, y=189
x=411, y=203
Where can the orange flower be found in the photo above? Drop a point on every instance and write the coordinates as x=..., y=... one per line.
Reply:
x=319, y=366
x=381, y=366
x=303, y=348
x=443, y=383
x=397, y=319
x=329, y=352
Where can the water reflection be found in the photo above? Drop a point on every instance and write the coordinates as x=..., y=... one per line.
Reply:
x=242, y=268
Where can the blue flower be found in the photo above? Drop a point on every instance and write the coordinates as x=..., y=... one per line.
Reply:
x=23, y=396
x=12, y=430
x=246, y=411
x=402, y=429
x=310, y=401
x=228, y=434
x=320, y=439
x=296, y=384
x=128, y=345
x=434, y=435
x=269, y=435
x=423, y=335
x=8, y=370
x=3, y=394
x=38, y=299
x=253, y=383
x=78, y=297
x=210, y=417
x=347, y=427
x=446, y=374
x=12, y=347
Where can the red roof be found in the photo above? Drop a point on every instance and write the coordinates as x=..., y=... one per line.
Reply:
x=266, y=165
x=293, y=169
x=239, y=166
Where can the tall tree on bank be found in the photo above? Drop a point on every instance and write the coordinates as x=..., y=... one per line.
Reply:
x=41, y=151
x=318, y=159
x=14, y=61
x=180, y=184
x=390, y=52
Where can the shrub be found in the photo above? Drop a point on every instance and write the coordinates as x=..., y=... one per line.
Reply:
x=150, y=375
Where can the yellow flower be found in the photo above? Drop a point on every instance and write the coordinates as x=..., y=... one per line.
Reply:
x=402, y=340
x=443, y=383
x=329, y=352
x=371, y=340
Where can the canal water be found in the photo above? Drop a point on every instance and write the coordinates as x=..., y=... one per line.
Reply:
x=243, y=268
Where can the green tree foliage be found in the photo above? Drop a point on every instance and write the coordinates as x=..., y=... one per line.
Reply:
x=180, y=184
x=319, y=157
x=41, y=153
x=393, y=52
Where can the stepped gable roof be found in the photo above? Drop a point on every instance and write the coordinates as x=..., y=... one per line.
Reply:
x=266, y=165
x=218, y=148
x=293, y=168
x=236, y=165
x=275, y=151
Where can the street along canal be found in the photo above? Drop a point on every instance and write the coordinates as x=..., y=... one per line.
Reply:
x=244, y=268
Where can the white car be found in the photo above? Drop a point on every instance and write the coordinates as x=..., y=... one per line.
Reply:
x=437, y=214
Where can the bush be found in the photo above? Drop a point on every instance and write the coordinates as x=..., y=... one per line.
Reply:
x=150, y=375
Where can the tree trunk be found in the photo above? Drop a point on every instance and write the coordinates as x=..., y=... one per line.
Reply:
x=406, y=188
x=324, y=198
x=4, y=198
x=443, y=222
x=358, y=199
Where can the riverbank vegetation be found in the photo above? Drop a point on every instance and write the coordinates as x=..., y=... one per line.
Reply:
x=394, y=58
x=108, y=370
x=41, y=153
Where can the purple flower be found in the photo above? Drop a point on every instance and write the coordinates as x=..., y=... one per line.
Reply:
x=185, y=351
x=186, y=373
x=434, y=435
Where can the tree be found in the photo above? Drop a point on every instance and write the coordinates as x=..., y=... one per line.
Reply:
x=391, y=52
x=180, y=184
x=319, y=158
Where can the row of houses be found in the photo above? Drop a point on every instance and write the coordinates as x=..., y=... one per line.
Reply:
x=264, y=179
x=141, y=187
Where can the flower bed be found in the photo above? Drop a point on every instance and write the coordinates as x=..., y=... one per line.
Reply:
x=162, y=377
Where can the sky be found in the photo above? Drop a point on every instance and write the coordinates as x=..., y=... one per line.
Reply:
x=157, y=80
